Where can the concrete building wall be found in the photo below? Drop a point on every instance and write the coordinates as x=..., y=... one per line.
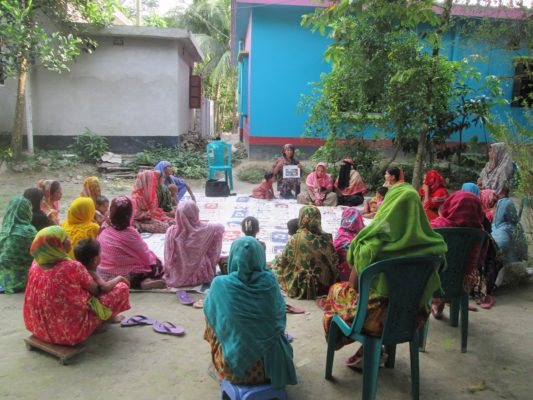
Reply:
x=131, y=90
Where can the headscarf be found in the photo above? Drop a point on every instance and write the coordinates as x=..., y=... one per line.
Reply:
x=344, y=173
x=79, y=224
x=434, y=180
x=507, y=231
x=49, y=207
x=47, y=247
x=461, y=209
x=91, y=188
x=17, y=219
x=472, y=188
x=315, y=183
x=35, y=196
x=400, y=228
x=499, y=170
x=186, y=244
x=247, y=313
x=160, y=166
x=351, y=224
x=144, y=197
x=120, y=214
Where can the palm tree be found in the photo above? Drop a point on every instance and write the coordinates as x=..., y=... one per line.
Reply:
x=210, y=22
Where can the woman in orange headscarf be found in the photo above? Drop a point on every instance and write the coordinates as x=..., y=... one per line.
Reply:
x=91, y=188
x=148, y=216
x=52, y=194
x=433, y=193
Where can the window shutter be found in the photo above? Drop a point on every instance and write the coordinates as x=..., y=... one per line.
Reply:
x=195, y=91
x=517, y=86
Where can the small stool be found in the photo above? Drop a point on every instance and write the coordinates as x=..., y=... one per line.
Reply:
x=64, y=353
x=263, y=392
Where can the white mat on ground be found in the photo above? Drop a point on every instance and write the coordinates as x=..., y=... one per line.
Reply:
x=272, y=215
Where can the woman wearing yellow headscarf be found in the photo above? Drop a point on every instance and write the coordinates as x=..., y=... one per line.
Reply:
x=91, y=188
x=79, y=224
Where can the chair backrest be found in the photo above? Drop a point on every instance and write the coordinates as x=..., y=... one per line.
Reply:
x=461, y=242
x=406, y=279
x=218, y=154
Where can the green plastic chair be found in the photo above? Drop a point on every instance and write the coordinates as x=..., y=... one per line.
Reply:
x=460, y=242
x=219, y=159
x=406, y=278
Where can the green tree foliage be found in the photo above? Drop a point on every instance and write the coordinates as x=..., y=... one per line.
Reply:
x=24, y=41
x=210, y=21
x=388, y=73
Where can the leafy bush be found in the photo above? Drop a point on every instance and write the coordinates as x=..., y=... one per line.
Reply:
x=187, y=164
x=90, y=147
x=252, y=174
x=49, y=160
x=239, y=155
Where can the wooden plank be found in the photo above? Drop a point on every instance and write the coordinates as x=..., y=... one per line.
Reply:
x=63, y=353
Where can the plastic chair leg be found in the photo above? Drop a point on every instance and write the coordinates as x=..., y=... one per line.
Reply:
x=371, y=358
x=423, y=334
x=415, y=367
x=211, y=173
x=454, y=312
x=391, y=351
x=332, y=338
x=464, y=322
x=231, y=180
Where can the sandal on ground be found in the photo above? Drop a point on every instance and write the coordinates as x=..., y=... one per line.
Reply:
x=168, y=328
x=137, y=320
x=487, y=302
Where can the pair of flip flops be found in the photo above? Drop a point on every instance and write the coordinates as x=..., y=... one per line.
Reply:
x=164, y=327
x=185, y=299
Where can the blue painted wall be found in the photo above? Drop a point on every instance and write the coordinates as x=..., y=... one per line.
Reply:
x=285, y=57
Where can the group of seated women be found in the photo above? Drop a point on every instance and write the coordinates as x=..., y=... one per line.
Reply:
x=113, y=256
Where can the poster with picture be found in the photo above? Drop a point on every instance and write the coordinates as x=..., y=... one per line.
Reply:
x=291, y=171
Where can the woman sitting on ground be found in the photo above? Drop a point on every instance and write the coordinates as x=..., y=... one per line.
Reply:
x=148, y=216
x=288, y=188
x=52, y=194
x=246, y=321
x=351, y=225
x=56, y=308
x=16, y=236
x=79, y=224
x=371, y=206
x=39, y=219
x=399, y=229
x=308, y=264
x=91, y=188
x=349, y=185
x=319, y=188
x=171, y=181
x=192, y=248
x=166, y=196
x=498, y=172
x=461, y=209
x=433, y=193
x=124, y=252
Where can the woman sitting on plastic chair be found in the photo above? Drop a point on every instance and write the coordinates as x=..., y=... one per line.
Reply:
x=245, y=315
x=399, y=229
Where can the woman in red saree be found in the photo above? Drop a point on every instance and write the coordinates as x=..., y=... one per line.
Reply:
x=433, y=193
x=148, y=216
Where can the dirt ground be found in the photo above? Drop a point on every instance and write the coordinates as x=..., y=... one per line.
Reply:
x=137, y=363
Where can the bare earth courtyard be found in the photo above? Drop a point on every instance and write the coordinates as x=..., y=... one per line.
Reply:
x=137, y=363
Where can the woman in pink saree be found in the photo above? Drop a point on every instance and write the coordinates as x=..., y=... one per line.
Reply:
x=192, y=248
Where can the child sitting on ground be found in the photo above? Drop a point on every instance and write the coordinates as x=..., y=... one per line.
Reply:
x=250, y=227
x=87, y=252
x=292, y=226
x=264, y=190
x=102, y=210
x=371, y=207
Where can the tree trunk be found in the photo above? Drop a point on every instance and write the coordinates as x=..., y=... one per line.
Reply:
x=420, y=158
x=18, y=126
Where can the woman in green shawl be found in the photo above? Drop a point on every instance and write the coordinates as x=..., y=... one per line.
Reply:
x=245, y=314
x=308, y=264
x=16, y=236
x=399, y=229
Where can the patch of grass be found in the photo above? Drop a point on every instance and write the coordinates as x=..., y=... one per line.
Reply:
x=252, y=174
x=187, y=164
x=43, y=160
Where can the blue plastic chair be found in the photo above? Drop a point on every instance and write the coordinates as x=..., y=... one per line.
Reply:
x=263, y=392
x=460, y=243
x=406, y=278
x=219, y=159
